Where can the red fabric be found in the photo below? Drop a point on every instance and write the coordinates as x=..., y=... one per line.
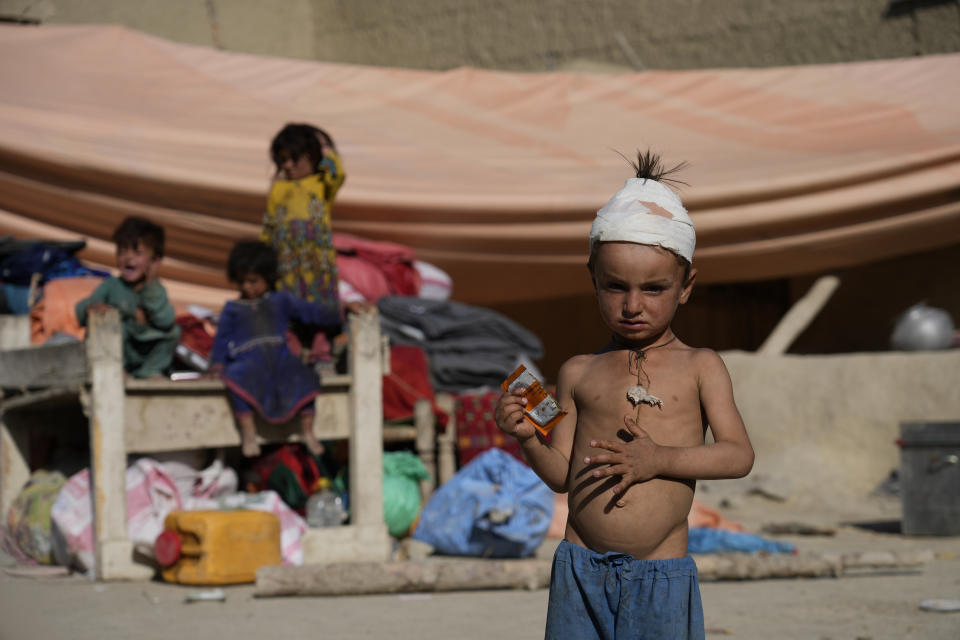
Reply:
x=375, y=268
x=194, y=335
x=365, y=276
x=476, y=429
x=407, y=382
x=302, y=466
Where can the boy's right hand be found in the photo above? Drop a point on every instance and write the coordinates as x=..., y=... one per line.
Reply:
x=509, y=416
x=153, y=271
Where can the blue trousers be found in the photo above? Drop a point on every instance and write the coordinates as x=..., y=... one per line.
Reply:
x=612, y=595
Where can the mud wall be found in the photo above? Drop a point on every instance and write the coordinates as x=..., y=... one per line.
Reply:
x=825, y=427
x=535, y=35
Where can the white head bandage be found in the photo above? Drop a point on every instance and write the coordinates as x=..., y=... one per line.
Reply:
x=646, y=212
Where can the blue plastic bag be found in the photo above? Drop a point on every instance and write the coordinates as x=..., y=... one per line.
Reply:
x=494, y=507
x=707, y=540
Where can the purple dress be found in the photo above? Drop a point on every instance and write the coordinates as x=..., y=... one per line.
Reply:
x=257, y=366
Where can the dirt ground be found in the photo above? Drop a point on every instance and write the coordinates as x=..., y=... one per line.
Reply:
x=867, y=605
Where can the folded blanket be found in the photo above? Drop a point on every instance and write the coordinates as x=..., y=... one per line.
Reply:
x=467, y=346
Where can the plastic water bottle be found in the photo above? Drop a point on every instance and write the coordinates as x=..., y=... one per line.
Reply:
x=325, y=507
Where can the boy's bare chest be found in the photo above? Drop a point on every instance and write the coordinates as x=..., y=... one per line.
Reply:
x=663, y=399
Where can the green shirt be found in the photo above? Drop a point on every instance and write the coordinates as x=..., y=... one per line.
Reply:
x=147, y=348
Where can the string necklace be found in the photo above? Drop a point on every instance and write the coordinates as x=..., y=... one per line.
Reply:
x=638, y=394
x=640, y=354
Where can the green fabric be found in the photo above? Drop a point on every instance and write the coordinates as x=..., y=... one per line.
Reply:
x=148, y=349
x=284, y=481
x=402, y=472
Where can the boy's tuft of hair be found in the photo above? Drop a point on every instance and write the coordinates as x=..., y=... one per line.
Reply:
x=252, y=256
x=135, y=230
x=649, y=166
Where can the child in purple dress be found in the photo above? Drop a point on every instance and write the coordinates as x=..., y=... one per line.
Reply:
x=251, y=355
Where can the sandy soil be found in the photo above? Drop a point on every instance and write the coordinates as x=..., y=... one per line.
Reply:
x=875, y=606
x=866, y=605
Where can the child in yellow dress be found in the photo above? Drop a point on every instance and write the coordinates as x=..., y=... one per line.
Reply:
x=297, y=224
x=297, y=220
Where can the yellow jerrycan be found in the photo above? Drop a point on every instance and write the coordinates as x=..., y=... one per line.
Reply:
x=217, y=547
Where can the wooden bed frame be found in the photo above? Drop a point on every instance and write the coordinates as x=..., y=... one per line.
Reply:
x=139, y=416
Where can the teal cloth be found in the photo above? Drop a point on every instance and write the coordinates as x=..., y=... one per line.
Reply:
x=148, y=348
x=402, y=472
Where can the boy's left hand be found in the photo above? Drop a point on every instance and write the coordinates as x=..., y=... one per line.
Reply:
x=635, y=461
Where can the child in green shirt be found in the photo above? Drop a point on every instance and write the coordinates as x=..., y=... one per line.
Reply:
x=150, y=335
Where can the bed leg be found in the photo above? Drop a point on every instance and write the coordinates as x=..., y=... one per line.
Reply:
x=113, y=551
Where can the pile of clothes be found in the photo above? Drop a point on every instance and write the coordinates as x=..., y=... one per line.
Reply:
x=468, y=347
x=470, y=351
x=29, y=270
x=26, y=266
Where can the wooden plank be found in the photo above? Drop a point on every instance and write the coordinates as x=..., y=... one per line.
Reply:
x=799, y=317
x=400, y=433
x=14, y=470
x=754, y=566
x=366, y=539
x=41, y=399
x=445, y=574
x=184, y=419
x=43, y=366
x=426, y=443
x=113, y=551
x=432, y=574
x=334, y=382
x=160, y=386
x=349, y=543
x=332, y=419
x=14, y=331
x=446, y=442
x=366, y=451
x=167, y=422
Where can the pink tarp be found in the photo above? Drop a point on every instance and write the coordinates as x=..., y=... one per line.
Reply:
x=492, y=176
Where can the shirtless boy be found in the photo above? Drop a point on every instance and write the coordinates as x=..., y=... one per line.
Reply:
x=632, y=445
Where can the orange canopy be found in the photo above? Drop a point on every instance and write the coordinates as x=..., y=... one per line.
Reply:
x=495, y=177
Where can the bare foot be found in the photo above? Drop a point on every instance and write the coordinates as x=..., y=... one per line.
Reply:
x=250, y=448
x=248, y=436
x=306, y=433
x=312, y=444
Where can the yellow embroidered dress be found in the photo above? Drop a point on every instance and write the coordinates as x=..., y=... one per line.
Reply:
x=297, y=226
